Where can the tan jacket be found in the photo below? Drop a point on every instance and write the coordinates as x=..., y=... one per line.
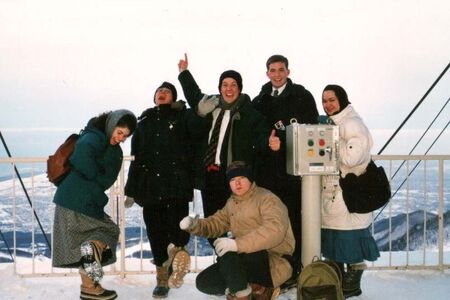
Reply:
x=258, y=220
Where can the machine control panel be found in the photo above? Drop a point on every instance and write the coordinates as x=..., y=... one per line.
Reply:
x=312, y=149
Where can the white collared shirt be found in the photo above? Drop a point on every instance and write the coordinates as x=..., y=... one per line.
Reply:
x=280, y=89
x=223, y=130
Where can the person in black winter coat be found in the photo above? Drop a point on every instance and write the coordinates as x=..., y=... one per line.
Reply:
x=242, y=135
x=159, y=180
x=283, y=102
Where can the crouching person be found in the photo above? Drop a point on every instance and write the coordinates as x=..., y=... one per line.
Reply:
x=84, y=235
x=254, y=261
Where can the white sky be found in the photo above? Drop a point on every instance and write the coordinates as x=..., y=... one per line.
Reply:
x=64, y=61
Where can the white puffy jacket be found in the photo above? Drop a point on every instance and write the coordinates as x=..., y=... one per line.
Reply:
x=355, y=146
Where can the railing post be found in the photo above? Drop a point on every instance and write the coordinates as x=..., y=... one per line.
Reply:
x=122, y=220
x=441, y=214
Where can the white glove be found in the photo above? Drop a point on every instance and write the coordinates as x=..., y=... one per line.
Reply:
x=188, y=223
x=207, y=104
x=129, y=201
x=224, y=245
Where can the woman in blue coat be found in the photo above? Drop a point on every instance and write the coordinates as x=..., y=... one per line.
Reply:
x=84, y=236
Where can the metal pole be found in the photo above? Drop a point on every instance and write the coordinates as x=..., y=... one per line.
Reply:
x=311, y=218
x=6, y=244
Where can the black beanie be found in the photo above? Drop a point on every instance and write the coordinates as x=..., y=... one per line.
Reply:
x=231, y=74
x=340, y=93
x=169, y=86
x=239, y=168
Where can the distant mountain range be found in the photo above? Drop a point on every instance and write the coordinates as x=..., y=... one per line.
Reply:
x=398, y=226
x=418, y=231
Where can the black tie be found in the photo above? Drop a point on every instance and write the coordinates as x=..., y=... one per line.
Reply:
x=275, y=93
x=210, y=155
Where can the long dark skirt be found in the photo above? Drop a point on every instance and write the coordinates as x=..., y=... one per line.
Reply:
x=71, y=229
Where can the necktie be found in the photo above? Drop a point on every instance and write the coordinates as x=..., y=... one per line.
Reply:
x=275, y=93
x=210, y=155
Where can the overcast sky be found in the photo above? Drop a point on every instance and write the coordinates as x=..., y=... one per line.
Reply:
x=63, y=61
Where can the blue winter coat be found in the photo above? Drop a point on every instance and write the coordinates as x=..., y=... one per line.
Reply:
x=96, y=164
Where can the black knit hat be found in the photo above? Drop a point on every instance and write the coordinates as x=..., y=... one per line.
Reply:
x=340, y=93
x=169, y=86
x=231, y=74
x=239, y=168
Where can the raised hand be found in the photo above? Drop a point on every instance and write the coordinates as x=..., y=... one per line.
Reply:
x=274, y=141
x=183, y=64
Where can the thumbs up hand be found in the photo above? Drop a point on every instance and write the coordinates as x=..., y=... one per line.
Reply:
x=274, y=141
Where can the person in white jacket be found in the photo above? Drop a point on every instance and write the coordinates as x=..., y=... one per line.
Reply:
x=346, y=237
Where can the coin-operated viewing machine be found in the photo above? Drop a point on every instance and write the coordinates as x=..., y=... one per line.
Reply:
x=312, y=151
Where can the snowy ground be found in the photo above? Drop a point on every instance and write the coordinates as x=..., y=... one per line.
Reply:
x=376, y=285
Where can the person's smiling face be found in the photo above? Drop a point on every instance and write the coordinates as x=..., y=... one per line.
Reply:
x=278, y=74
x=229, y=90
x=119, y=135
x=330, y=103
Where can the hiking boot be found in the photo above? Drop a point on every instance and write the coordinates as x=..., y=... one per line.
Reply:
x=260, y=292
x=160, y=292
x=351, y=282
x=245, y=294
x=93, y=290
x=162, y=287
x=180, y=267
x=354, y=293
x=105, y=295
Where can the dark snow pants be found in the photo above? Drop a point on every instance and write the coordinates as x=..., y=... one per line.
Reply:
x=162, y=224
x=234, y=271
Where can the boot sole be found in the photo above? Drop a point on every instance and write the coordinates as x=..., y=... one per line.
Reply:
x=354, y=293
x=84, y=296
x=180, y=267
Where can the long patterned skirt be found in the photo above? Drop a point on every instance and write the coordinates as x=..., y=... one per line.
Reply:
x=71, y=229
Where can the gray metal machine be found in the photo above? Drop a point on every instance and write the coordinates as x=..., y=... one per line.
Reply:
x=312, y=151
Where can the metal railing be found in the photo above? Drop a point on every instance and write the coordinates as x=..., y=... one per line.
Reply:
x=413, y=231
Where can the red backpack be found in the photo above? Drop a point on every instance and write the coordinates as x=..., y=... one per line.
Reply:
x=58, y=165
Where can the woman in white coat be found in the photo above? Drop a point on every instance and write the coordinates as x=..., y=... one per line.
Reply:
x=346, y=237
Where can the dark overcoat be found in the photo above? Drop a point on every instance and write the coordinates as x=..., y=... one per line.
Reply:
x=162, y=147
x=294, y=104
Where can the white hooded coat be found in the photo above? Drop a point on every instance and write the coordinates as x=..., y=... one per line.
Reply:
x=355, y=146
